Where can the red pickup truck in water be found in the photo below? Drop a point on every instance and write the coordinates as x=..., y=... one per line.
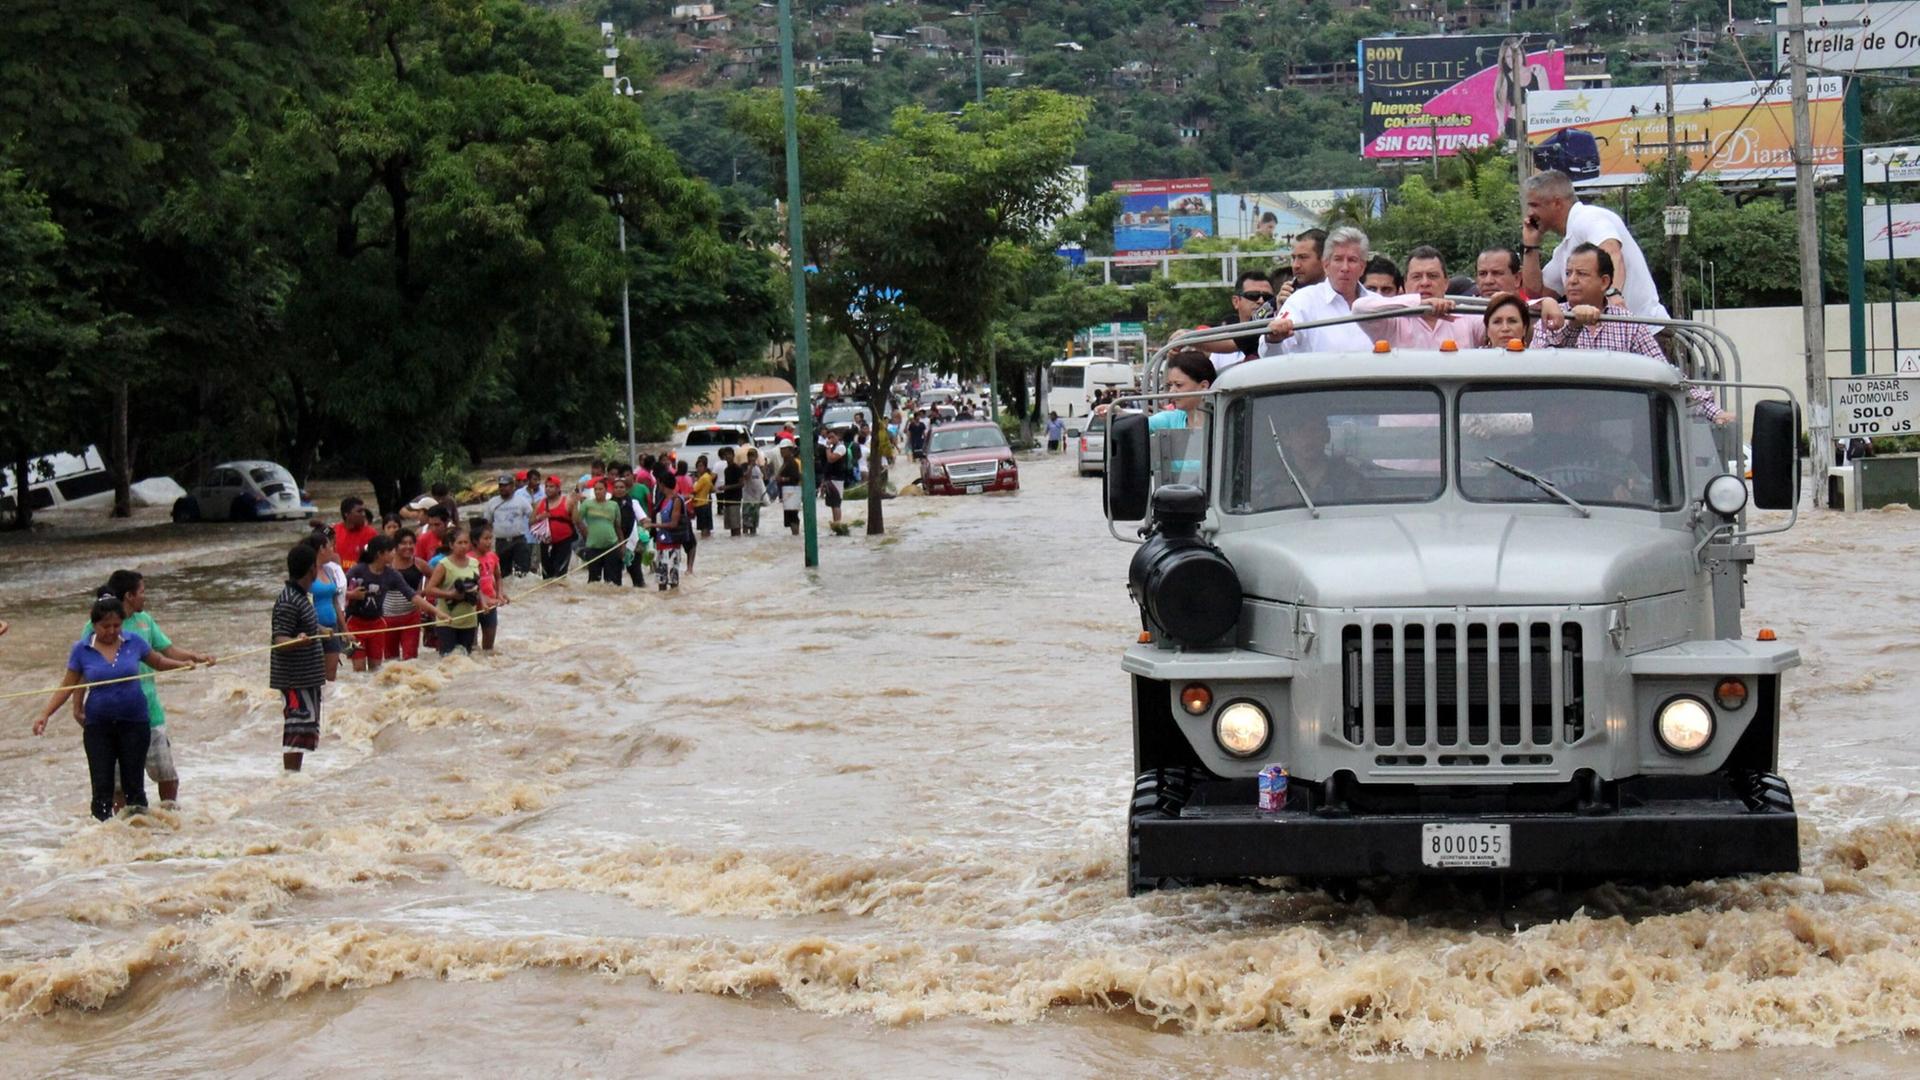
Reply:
x=968, y=458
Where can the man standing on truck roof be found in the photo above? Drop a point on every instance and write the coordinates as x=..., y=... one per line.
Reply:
x=1552, y=207
x=1346, y=258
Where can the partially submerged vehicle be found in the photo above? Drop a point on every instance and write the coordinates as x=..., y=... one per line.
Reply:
x=1482, y=606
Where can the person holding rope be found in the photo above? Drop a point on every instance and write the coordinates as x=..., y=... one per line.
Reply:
x=131, y=587
x=297, y=666
x=103, y=668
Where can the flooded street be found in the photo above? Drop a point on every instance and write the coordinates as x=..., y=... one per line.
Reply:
x=870, y=820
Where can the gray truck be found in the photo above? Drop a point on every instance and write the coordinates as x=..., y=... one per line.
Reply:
x=1484, y=607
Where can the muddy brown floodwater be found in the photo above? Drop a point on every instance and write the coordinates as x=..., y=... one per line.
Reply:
x=870, y=821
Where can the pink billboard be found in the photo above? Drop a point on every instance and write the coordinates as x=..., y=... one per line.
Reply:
x=1458, y=90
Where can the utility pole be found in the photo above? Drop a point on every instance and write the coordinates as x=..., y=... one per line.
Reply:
x=975, y=13
x=1813, y=308
x=1677, y=306
x=624, y=87
x=1675, y=156
x=797, y=270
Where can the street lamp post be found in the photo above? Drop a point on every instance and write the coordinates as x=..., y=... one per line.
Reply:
x=623, y=86
x=797, y=270
x=975, y=13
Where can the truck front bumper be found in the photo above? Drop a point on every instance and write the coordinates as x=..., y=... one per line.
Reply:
x=1683, y=838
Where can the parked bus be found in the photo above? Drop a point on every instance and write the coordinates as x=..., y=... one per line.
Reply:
x=1073, y=382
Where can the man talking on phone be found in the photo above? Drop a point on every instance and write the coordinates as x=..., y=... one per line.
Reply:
x=1309, y=263
x=1552, y=207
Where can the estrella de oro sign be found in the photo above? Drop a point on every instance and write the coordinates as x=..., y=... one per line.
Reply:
x=1457, y=90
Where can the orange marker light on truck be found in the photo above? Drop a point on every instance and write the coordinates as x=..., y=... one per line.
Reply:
x=1766, y=634
x=1449, y=346
x=1731, y=694
x=1381, y=346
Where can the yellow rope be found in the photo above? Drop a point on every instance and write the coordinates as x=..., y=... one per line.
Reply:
x=446, y=621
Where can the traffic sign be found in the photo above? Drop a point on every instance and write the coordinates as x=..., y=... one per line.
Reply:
x=1868, y=406
x=1907, y=361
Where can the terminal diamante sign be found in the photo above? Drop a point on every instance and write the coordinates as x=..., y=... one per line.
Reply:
x=1865, y=406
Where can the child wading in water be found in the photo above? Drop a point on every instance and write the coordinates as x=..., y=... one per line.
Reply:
x=493, y=587
x=456, y=580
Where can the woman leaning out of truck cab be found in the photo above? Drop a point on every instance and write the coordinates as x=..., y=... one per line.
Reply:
x=1189, y=371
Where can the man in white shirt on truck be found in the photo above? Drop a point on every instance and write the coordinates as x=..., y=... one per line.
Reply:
x=1346, y=259
x=1552, y=207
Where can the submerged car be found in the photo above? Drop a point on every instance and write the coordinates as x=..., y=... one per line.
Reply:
x=968, y=458
x=244, y=491
x=1453, y=612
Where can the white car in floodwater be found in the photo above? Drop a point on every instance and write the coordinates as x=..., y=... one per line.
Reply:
x=244, y=491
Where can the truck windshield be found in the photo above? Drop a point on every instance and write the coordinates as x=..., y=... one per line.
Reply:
x=1346, y=446
x=1602, y=446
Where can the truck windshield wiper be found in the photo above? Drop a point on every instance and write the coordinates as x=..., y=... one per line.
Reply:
x=1542, y=483
x=1291, y=475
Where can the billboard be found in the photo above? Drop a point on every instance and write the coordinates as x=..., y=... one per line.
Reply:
x=1280, y=215
x=1158, y=217
x=1456, y=89
x=1740, y=131
x=1892, y=231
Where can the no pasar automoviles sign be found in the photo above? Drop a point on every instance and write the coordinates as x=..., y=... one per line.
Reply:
x=1865, y=406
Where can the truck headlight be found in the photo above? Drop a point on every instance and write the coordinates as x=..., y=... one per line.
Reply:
x=1242, y=729
x=1685, y=725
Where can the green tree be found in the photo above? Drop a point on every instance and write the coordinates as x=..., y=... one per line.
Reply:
x=127, y=116
x=44, y=334
x=447, y=208
x=922, y=234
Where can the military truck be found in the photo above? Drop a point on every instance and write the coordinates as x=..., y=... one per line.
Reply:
x=1483, y=606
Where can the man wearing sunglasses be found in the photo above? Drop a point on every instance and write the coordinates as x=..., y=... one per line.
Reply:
x=1253, y=301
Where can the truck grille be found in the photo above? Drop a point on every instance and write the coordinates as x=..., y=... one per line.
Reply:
x=972, y=471
x=1480, y=689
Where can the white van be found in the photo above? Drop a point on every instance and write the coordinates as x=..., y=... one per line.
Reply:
x=1074, y=380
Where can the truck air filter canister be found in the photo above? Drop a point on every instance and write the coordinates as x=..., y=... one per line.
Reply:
x=1185, y=587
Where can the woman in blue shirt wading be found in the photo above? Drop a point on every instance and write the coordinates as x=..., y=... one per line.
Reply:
x=114, y=728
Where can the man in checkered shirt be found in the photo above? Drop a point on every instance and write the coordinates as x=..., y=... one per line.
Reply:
x=1589, y=279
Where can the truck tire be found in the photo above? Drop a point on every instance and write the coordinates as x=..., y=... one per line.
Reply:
x=1159, y=793
x=1764, y=793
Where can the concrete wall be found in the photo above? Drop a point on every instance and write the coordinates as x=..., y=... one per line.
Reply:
x=1773, y=347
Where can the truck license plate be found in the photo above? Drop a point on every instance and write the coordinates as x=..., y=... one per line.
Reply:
x=975, y=489
x=1466, y=845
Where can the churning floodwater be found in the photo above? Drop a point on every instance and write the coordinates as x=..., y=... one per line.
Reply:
x=870, y=820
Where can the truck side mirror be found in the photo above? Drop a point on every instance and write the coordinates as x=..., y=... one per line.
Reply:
x=1776, y=465
x=1129, y=472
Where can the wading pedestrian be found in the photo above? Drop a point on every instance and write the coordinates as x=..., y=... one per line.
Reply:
x=297, y=666
x=131, y=587
x=115, y=727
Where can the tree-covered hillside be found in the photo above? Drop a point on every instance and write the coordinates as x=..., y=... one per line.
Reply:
x=1257, y=94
